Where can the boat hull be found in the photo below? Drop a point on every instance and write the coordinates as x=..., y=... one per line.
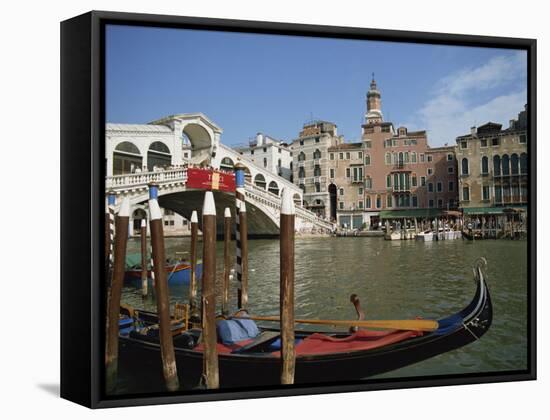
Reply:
x=177, y=275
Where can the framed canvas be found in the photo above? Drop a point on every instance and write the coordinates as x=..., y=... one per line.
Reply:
x=256, y=209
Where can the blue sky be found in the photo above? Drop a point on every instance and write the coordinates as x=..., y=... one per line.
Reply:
x=273, y=84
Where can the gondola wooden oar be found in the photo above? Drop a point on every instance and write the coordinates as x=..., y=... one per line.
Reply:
x=398, y=324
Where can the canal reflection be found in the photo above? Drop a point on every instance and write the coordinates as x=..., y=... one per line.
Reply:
x=394, y=280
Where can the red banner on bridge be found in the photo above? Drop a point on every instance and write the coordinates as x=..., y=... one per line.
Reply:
x=210, y=179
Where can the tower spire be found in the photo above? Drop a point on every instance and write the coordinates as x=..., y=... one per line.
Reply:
x=374, y=104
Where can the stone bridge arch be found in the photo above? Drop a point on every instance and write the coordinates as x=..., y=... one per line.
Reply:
x=203, y=134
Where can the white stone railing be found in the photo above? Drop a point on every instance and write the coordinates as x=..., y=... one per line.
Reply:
x=144, y=178
x=274, y=201
x=127, y=181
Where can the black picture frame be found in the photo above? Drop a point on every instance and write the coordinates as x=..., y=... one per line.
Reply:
x=82, y=200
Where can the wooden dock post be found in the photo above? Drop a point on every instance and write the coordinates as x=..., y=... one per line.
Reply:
x=210, y=356
x=193, y=282
x=114, y=294
x=288, y=353
x=241, y=237
x=109, y=232
x=226, y=260
x=144, y=280
x=242, y=254
x=162, y=294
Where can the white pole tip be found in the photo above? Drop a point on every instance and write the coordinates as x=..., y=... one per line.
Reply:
x=124, y=210
x=209, y=207
x=194, y=217
x=287, y=202
x=154, y=210
x=242, y=207
x=143, y=223
x=227, y=212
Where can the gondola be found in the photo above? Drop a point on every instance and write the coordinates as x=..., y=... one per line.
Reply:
x=320, y=357
x=177, y=272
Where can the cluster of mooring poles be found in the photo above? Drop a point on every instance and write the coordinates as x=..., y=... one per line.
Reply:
x=116, y=230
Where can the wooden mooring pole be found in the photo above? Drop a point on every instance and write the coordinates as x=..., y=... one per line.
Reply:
x=162, y=294
x=114, y=294
x=144, y=280
x=193, y=282
x=210, y=356
x=242, y=257
x=241, y=238
x=109, y=233
x=288, y=353
x=226, y=260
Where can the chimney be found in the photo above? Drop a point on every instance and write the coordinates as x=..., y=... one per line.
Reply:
x=473, y=130
x=259, y=139
x=512, y=123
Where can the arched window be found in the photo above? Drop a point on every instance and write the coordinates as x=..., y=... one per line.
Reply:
x=317, y=171
x=514, y=161
x=126, y=158
x=389, y=201
x=127, y=147
x=484, y=165
x=227, y=164
x=388, y=181
x=158, y=155
x=406, y=157
x=273, y=188
x=317, y=187
x=505, y=165
x=465, y=166
x=388, y=158
x=368, y=203
x=413, y=157
x=259, y=180
x=301, y=172
x=302, y=156
x=401, y=158
x=395, y=158
x=496, y=165
x=523, y=163
x=378, y=202
x=395, y=181
x=317, y=154
x=367, y=159
x=401, y=181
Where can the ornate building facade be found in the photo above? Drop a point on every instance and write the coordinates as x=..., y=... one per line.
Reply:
x=389, y=169
x=310, y=164
x=493, y=166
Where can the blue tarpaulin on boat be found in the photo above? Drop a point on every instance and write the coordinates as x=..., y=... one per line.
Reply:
x=231, y=331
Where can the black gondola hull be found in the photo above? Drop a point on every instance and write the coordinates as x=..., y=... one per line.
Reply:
x=252, y=370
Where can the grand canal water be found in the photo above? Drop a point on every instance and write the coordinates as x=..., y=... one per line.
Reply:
x=394, y=280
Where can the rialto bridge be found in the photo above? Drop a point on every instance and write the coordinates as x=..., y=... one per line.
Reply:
x=161, y=151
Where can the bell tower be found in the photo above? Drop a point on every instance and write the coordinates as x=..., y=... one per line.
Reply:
x=374, y=104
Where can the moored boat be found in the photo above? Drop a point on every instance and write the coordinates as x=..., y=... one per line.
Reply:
x=320, y=357
x=426, y=236
x=177, y=272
